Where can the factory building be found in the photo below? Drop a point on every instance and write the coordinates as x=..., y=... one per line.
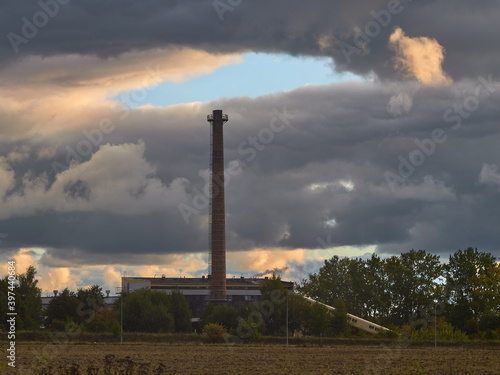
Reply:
x=198, y=290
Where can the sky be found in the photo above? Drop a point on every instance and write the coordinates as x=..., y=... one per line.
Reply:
x=355, y=127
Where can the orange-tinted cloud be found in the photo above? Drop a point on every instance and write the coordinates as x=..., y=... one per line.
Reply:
x=420, y=58
x=67, y=91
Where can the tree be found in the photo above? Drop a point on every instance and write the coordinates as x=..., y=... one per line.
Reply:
x=31, y=295
x=299, y=312
x=377, y=286
x=319, y=319
x=339, y=318
x=332, y=282
x=490, y=321
x=61, y=309
x=4, y=289
x=412, y=285
x=225, y=315
x=472, y=286
x=396, y=290
x=91, y=300
x=103, y=321
x=272, y=305
x=179, y=307
x=141, y=314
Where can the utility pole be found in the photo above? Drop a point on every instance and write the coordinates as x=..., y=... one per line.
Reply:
x=121, y=315
x=287, y=319
x=435, y=328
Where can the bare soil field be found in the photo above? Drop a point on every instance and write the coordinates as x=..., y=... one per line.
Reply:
x=146, y=358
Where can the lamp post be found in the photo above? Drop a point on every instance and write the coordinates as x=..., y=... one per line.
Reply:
x=435, y=327
x=121, y=315
x=287, y=319
x=120, y=290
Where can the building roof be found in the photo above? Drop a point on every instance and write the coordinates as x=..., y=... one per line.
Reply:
x=200, y=281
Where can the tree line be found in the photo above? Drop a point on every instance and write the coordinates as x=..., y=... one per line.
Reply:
x=412, y=287
x=143, y=310
x=396, y=292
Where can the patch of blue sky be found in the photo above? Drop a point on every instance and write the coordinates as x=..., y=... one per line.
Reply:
x=259, y=74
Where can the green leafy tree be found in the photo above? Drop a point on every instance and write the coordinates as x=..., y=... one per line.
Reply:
x=339, y=318
x=331, y=282
x=472, y=286
x=31, y=295
x=91, y=301
x=299, y=311
x=179, y=307
x=412, y=285
x=272, y=305
x=319, y=320
x=103, y=321
x=4, y=288
x=61, y=309
x=147, y=311
x=377, y=287
x=490, y=321
x=393, y=290
x=225, y=315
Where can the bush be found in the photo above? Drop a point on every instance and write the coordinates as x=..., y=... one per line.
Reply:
x=116, y=330
x=489, y=321
x=225, y=315
x=215, y=332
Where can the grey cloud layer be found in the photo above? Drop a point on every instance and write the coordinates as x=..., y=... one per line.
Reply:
x=328, y=163
x=467, y=30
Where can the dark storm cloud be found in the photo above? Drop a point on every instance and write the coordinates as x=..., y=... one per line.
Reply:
x=312, y=169
x=355, y=34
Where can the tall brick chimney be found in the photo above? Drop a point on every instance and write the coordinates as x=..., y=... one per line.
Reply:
x=217, y=215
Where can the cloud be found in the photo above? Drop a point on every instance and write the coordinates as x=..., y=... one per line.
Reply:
x=43, y=95
x=320, y=30
x=400, y=104
x=328, y=162
x=20, y=153
x=7, y=174
x=116, y=179
x=428, y=190
x=264, y=261
x=420, y=58
x=489, y=174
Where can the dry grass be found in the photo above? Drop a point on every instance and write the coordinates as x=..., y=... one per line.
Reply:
x=145, y=358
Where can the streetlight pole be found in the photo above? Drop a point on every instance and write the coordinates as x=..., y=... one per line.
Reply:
x=121, y=315
x=435, y=328
x=287, y=319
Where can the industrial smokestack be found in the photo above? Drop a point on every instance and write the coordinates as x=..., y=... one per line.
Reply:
x=217, y=214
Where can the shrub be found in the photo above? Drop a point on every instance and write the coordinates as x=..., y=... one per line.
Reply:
x=215, y=332
x=489, y=321
x=116, y=330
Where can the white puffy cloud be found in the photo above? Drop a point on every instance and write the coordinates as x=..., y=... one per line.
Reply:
x=116, y=179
